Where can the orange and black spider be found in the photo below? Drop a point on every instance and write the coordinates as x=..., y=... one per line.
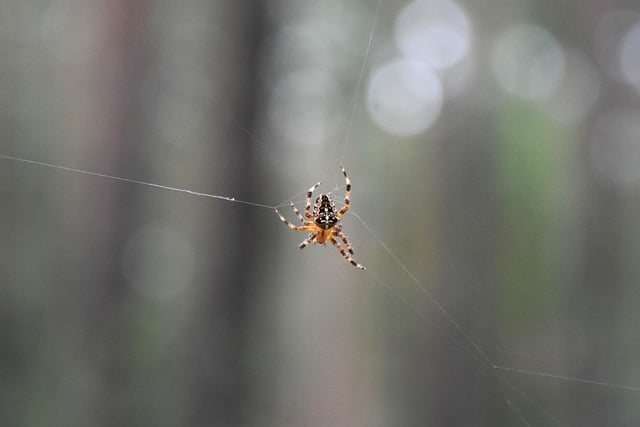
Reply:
x=325, y=221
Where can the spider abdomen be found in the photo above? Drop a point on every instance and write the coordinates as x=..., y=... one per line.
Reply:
x=325, y=212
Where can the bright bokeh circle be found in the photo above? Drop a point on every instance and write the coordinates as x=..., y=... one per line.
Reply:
x=404, y=97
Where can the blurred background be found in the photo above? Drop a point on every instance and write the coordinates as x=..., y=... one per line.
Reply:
x=494, y=151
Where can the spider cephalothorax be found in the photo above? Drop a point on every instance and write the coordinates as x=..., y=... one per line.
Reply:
x=325, y=221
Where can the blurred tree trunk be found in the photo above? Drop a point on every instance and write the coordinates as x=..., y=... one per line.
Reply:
x=221, y=387
x=469, y=222
x=115, y=76
x=592, y=346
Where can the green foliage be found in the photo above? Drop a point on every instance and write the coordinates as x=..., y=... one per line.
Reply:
x=532, y=164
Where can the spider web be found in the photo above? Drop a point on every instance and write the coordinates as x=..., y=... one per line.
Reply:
x=523, y=392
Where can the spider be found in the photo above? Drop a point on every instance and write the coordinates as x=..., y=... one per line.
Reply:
x=325, y=221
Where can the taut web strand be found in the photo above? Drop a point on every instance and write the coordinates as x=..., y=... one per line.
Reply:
x=138, y=182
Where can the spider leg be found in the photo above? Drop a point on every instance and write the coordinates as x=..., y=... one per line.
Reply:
x=345, y=254
x=344, y=240
x=307, y=208
x=299, y=215
x=347, y=194
x=308, y=240
x=305, y=227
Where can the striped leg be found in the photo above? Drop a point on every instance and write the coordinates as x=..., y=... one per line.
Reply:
x=347, y=194
x=344, y=240
x=298, y=214
x=306, y=241
x=305, y=227
x=307, y=208
x=345, y=254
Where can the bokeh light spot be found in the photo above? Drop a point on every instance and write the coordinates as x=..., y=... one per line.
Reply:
x=573, y=100
x=435, y=32
x=404, y=97
x=612, y=28
x=528, y=62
